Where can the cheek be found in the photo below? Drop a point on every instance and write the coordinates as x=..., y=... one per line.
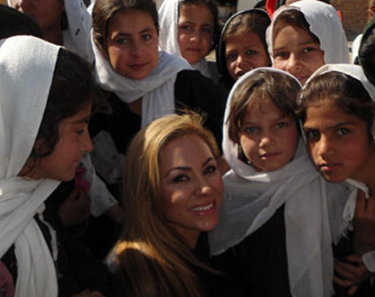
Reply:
x=279, y=64
x=248, y=146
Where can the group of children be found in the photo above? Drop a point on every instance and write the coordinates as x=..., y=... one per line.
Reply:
x=294, y=141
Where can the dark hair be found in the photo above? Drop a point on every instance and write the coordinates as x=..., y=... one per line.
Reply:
x=344, y=91
x=212, y=7
x=105, y=10
x=294, y=18
x=252, y=20
x=366, y=53
x=73, y=87
x=278, y=87
x=13, y=22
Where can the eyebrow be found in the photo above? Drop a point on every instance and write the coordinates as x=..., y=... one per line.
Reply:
x=312, y=41
x=334, y=126
x=182, y=168
x=83, y=120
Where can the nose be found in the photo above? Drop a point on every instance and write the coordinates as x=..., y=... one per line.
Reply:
x=203, y=188
x=21, y=5
x=325, y=148
x=242, y=63
x=86, y=143
x=195, y=36
x=293, y=64
x=266, y=140
x=136, y=49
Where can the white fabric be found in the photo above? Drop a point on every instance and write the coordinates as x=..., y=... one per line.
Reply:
x=156, y=90
x=324, y=24
x=344, y=212
x=25, y=79
x=168, y=41
x=251, y=199
x=355, y=48
x=100, y=198
x=77, y=36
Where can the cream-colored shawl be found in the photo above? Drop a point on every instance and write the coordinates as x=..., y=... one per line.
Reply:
x=324, y=24
x=251, y=199
x=26, y=69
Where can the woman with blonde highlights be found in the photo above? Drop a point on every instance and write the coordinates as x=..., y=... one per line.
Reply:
x=172, y=191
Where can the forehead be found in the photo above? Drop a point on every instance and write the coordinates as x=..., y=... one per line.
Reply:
x=131, y=20
x=195, y=11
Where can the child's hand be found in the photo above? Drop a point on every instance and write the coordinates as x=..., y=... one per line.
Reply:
x=364, y=224
x=352, y=275
x=76, y=208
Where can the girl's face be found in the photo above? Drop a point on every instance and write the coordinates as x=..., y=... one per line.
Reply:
x=195, y=32
x=74, y=142
x=191, y=185
x=132, y=44
x=47, y=13
x=338, y=142
x=245, y=52
x=268, y=138
x=296, y=51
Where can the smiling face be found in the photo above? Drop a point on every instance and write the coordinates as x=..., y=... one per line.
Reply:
x=74, y=142
x=195, y=32
x=132, y=44
x=338, y=143
x=244, y=52
x=192, y=187
x=268, y=138
x=296, y=51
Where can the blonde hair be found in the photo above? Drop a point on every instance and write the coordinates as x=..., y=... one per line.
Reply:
x=151, y=257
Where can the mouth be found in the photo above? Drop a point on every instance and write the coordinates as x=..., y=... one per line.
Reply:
x=204, y=209
x=302, y=78
x=195, y=50
x=240, y=73
x=329, y=167
x=269, y=155
x=138, y=65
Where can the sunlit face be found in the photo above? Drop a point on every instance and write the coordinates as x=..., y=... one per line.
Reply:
x=296, y=51
x=245, y=52
x=338, y=143
x=73, y=143
x=192, y=187
x=195, y=32
x=132, y=44
x=268, y=138
x=47, y=13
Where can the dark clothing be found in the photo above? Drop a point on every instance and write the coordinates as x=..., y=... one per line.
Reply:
x=214, y=283
x=76, y=269
x=260, y=260
x=343, y=249
x=192, y=91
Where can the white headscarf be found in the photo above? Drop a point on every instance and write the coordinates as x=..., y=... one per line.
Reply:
x=25, y=79
x=252, y=198
x=156, y=90
x=168, y=41
x=344, y=211
x=324, y=24
x=77, y=36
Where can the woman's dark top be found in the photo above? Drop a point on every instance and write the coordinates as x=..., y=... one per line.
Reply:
x=260, y=260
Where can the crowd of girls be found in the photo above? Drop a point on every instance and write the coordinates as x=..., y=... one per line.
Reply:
x=251, y=176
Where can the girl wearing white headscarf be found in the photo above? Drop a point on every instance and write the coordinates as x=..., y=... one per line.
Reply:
x=32, y=157
x=201, y=36
x=321, y=39
x=139, y=95
x=340, y=96
x=70, y=20
x=274, y=218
